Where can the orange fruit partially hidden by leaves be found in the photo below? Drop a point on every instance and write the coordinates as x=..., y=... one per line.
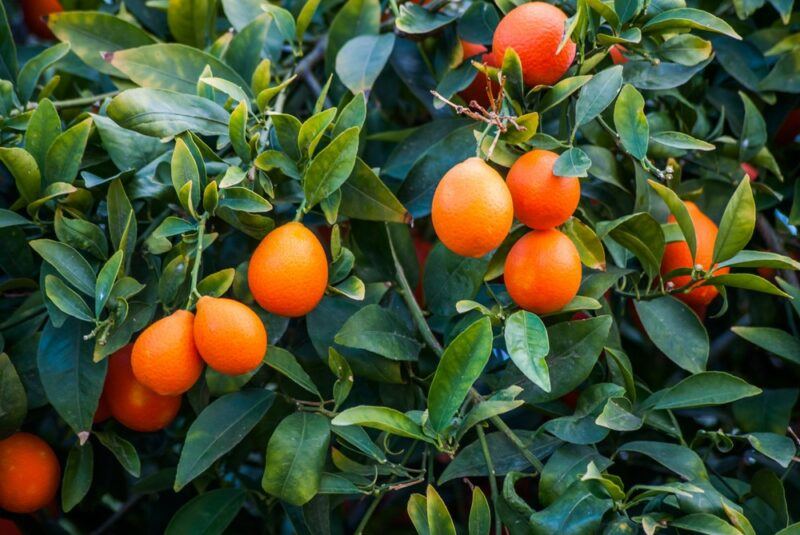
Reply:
x=543, y=271
x=534, y=31
x=541, y=199
x=29, y=473
x=677, y=255
x=477, y=89
x=103, y=411
x=34, y=13
x=164, y=356
x=288, y=271
x=229, y=336
x=750, y=170
x=131, y=403
x=617, y=56
x=472, y=209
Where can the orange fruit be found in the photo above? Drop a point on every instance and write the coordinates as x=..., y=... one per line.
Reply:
x=476, y=90
x=541, y=199
x=229, y=336
x=543, y=271
x=103, y=411
x=34, y=13
x=164, y=357
x=534, y=30
x=677, y=255
x=750, y=170
x=29, y=473
x=617, y=56
x=472, y=208
x=130, y=402
x=288, y=271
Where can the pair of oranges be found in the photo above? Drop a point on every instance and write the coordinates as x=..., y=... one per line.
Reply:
x=473, y=209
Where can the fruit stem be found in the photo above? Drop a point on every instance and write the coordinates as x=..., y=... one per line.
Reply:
x=198, y=259
x=433, y=343
x=492, y=476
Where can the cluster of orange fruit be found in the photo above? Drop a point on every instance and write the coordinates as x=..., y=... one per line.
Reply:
x=473, y=209
x=288, y=275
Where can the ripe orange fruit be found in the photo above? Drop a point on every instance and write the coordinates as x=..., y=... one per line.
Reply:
x=288, y=271
x=472, y=208
x=34, y=11
x=677, y=255
x=29, y=473
x=617, y=56
x=534, y=30
x=131, y=403
x=543, y=271
x=164, y=356
x=229, y=336
x=541, y=199
x=476, y=90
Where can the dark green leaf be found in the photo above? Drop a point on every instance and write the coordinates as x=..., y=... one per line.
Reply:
x=209, y=513
x=675, y=330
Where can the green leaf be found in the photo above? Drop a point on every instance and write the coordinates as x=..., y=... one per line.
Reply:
x=8, y=50
x=353, y=114
x=773, y=340
x=641, y=234
x=754, y=130
x=13, y=400
x=344, y=378
x=567, y=465
x=579, y=510
x=121, y=220
x=704, y=523
x=747, y=281
x=117, y=142
x=43, y=128
x=618, y=415
x=704, y=389
x=417, y=509
x=383, y=418
x=93, y=33
x=589, y=246
x=296, y=456
x=22, y=166
x=748, y=258
x=81, y=234
x=450, y=278
x=123, y=450
x=244, y=200
x=209, y=513
x=783, y=76
x=283, y=361
x=688, y=18
x=312, y=130
x=460, y=366
x=380, y=331
x=330, y=168
x=105, y=281
x=356, y=17
x=36, y=66
x=361, y=60
x=71, y=380
x=480, y=517
x=238, y=131
x=679, y=459
x=737, y=225
x=439, y=520
x=675, y=330
x=78, y=473
x=597, y=94
x=679, y=140
x=528, y=345
x=192, y=21
x=572, y=163
x=305, y=17
x=416, y=20
x=562, y=90
x=501, y=402
x=686, y=49
x=779, y=448
x=217, y=283
x=161, y=113
x=218, y=429
x=681, y=213
x=65, y=154
x=365, y=196
x=631, y=122
x=67, y=299
x=244, y=52
x=68, y=262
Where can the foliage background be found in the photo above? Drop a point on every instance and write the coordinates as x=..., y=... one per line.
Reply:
x=148, y=128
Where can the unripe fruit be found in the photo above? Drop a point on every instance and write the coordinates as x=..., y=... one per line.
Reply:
x=130, y=402
x=543, y=271
x=541, y=199
x=472, y=209
x=229, y=336
x=288, y=271
x=534, y=30
x=164, y=356
x=29, y=473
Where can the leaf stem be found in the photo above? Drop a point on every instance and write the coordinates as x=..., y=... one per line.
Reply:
x=492, y=477
x=433, y=343
x=83, y=101
x=198, y=259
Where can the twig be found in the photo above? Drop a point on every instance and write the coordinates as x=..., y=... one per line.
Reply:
x=83, y=101
x=118, y=514
x=492, y=478
x=433, y=343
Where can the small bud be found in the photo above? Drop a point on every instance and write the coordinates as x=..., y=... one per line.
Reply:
x=670, y=285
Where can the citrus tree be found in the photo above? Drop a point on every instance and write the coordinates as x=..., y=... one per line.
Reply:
x=445, y=267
